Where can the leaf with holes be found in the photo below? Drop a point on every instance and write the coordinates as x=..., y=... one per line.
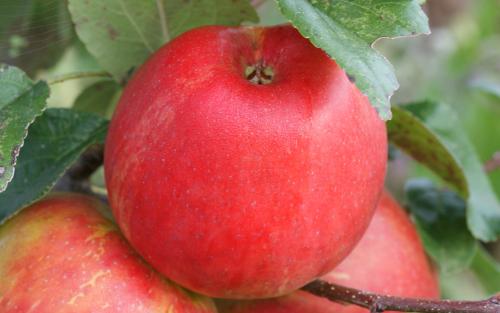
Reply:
x=440, y=219
x=121, y=34
x=55, y=141
x=347, y=30
x=21, y=101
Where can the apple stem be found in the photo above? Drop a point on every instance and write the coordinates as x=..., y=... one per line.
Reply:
x=381, y=303
x=259, y=74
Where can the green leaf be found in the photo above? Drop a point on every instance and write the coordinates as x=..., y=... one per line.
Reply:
x=99, y=98
x=483, y=208
x=55, y=141
x=347, y=30
x=461, y=286
x=440, y=219
x=489, y=87
x=182, y=15
x=21, y=101
x=121, y=34
x=411, y=135
x=487, y=270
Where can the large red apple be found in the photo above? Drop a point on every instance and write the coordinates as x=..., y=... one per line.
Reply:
x=242, y=162
x=60, y=255
x=389, y=259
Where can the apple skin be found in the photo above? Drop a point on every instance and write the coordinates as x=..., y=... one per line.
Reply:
x=60, y=255
x=389, y=260
x=239, y=190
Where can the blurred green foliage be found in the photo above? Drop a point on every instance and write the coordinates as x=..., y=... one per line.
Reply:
x=459, y=63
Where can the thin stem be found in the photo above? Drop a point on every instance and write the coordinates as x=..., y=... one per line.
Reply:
x=78, y=75
x=381, y=303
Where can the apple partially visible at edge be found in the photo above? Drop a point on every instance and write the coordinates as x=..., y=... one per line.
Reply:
x=60, y=255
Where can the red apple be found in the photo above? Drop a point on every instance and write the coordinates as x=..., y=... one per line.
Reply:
x=389, y=259
x=242, y=162
x=60, y=255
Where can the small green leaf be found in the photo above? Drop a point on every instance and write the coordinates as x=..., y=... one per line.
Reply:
x=483, y=208
x=121, y=34
x=409, y=134
x=21, y=101
x=54, y=142
x=346, y=30
x=440, y=219
x=99, y=98
x=487, y=270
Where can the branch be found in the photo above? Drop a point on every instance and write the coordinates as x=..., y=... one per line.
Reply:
x=380, y=303
x=493, y=163
x=88, y=163
x=77, y=177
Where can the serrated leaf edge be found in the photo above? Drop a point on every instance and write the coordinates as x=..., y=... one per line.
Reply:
x=25, y=133
x=49, y=187
x=384, y=115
